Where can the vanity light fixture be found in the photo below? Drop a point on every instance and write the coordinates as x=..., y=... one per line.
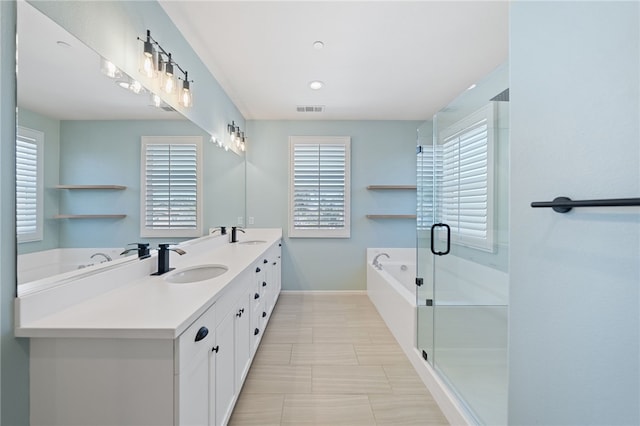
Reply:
x=236, y=136
x=157, y=62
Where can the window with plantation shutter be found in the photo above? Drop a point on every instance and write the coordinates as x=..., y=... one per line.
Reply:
x=29, y=178
x=319, y=193
x=466, y=188
x=170, y=187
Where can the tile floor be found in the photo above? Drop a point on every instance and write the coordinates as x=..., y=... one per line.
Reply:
x=330, y=360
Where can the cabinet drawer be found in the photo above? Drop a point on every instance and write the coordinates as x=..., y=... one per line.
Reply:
x=199, y=336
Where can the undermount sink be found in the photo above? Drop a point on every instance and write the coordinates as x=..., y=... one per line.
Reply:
x=252, y=242
x=196, y=273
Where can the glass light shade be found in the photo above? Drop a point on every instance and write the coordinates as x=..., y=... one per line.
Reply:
x=168, y=83
x=186, y=97
x=147, y=67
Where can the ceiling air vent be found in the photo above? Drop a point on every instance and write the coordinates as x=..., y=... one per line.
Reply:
x=310, y=108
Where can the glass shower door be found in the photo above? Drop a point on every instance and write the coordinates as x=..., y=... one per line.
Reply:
x=462, y=251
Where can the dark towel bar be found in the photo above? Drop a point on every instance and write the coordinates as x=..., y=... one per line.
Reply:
x=565, y=204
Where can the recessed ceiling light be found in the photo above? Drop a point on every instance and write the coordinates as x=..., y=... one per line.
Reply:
x=318, y=45
x=316, y=85
x=473, y=86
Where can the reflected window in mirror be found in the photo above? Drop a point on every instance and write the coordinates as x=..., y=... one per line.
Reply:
x=29, y=186
x=171, y=184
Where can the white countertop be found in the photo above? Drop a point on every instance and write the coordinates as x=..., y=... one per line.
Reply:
x=149, y=306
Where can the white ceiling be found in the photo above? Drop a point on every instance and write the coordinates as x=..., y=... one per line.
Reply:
x=382, y=60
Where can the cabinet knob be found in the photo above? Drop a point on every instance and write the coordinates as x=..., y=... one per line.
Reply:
x=256, y=331
x=256, y=296
x=202, y=333
x=258, y=270
x=215, y=348
x=264, y=314
x=264, y=283
x=265, y=261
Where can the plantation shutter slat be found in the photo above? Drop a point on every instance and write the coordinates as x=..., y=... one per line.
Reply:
x=319, y=192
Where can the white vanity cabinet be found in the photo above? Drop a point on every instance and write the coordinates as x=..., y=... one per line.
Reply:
x=212, y=367
x=114, y=359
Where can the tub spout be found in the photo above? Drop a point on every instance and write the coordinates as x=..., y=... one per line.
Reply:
x=375, y=262
x=106, y=257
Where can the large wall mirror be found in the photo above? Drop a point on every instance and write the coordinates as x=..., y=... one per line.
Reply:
x=91, y=127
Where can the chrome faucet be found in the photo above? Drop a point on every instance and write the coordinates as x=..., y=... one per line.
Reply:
x=106, y=256
x=375, y=262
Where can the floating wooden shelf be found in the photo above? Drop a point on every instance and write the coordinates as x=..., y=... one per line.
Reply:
x=391, y=216
x=119, y=187
x=411, y=187
x=89, y=216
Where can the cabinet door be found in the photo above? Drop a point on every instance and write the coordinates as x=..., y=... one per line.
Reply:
x=242, y=338
x=224, y=369
x=194, y=392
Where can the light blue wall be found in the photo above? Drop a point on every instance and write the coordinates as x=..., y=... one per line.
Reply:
x=14, y=360
x=382, y=152
x=574, y=308
x=51, y=129
x=108, y=152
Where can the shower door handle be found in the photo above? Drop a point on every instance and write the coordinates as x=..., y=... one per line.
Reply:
x=433, y=247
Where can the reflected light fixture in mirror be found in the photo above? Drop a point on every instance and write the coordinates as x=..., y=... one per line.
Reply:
x=237, y=136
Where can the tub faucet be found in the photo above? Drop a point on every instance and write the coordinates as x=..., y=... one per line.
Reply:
x=375, y=262
x=163, y=258
x=106, y=257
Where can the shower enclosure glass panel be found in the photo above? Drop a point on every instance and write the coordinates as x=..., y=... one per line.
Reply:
x=466, y=269
x=424, y=261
